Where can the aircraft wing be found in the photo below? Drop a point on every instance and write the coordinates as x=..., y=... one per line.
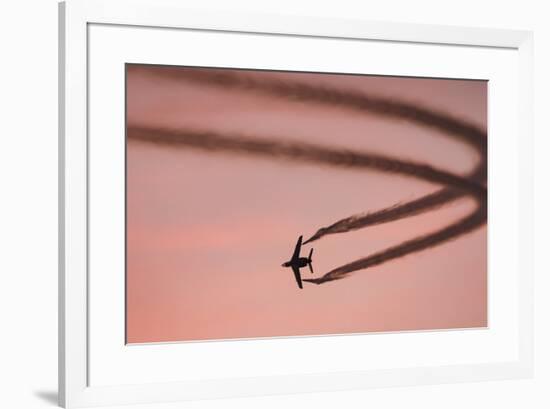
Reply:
x=298, y=276
x=297, y=249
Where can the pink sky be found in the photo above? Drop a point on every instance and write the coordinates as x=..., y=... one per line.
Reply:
x=207, y=233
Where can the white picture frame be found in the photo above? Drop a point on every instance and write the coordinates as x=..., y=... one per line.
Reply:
x=76, y=17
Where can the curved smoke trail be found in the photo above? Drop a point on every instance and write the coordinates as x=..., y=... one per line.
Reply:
x=301, y=152
x=393, y=213
x=349, y=99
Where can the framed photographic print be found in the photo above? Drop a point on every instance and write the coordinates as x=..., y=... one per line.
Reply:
x=258, y=204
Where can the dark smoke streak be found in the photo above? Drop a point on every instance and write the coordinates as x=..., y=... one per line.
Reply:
x=347, y=98
x=300, y=152
x=353, y=100
x=393, y=213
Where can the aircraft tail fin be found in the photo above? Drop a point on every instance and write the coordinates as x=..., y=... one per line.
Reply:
x=309, y=261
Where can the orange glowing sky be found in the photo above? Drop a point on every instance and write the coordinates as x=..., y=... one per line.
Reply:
x=207, y=233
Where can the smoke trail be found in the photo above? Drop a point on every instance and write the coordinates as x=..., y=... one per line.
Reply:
x=392, y=213
x=464, y=225
x=453, y=127
x=346, y=98
x=300, y=152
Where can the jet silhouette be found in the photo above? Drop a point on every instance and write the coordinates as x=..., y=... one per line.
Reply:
x=297, y=262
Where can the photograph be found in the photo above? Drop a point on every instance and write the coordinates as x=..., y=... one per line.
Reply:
x=271, y=203
x=291, y=204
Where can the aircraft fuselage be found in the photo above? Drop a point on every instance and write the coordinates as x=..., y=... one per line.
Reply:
x=301, y=262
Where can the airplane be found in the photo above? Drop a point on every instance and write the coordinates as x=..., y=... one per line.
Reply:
x=296, y=262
